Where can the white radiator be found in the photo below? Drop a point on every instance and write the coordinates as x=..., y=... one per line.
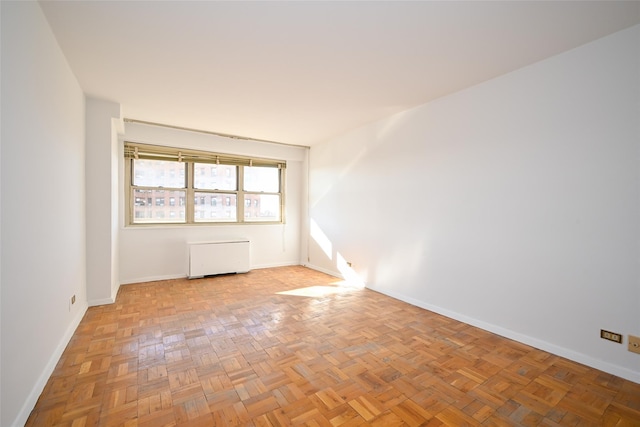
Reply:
x=218, y=257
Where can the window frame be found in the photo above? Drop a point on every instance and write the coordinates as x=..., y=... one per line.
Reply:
x=137, y=151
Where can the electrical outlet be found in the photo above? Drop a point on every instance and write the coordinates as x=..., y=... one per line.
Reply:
x=73, y=299
x=611, y=336
x=634, y=344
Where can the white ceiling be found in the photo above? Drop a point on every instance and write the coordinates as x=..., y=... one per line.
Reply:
x=301, y=72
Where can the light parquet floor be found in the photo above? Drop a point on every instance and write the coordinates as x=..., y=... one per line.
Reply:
x=250, y=350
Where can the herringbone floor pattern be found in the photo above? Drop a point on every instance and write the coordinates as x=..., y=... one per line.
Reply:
x=285, y=346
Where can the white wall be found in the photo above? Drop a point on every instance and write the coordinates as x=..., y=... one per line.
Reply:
x=101, y=192
x=154, y=253
x=43, y=206
x=513, y=205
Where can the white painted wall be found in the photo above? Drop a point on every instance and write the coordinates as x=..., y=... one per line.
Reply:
x=0, y=237
x=154, y=253
x=117, y=129
x=101, y=193
x=513, y=205
x=43, y=207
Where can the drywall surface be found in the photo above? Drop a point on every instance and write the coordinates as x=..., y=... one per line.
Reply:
x=101, y=182
x=43, y=207
x=161, y=252
x=512, y=205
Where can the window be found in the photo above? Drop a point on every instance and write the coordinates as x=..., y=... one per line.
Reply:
x=262, y=185
x=169, y=185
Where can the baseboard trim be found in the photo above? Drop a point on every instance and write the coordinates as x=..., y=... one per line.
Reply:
x=184, y=275
x=326, y=271
x=153, y=279
x=276, y=265
x=101, y=301
x=32, y=399
x=525, y=339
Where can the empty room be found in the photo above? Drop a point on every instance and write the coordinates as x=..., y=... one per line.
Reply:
x=226, y=213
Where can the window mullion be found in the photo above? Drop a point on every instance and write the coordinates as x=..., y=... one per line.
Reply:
x=128, y=194
x=282, y=194
x=189, y=204
x=240, y=194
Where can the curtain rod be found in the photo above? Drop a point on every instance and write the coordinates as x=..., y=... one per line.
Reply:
x=225, y=135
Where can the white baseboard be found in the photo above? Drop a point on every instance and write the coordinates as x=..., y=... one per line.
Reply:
x=525, y=339
x=32, y=399
x=325, y=271
x=153, y=279
x=131, y=281
x=101, y=301
x=276, y=265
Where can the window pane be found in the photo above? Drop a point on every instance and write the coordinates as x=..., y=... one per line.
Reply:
x=262, y=207
x=154, y=206
x=261, y=179
x=219, y=177
x=216, y=207
x=158, y=173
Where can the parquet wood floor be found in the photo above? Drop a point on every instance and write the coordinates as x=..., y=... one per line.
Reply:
x=249, y=350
